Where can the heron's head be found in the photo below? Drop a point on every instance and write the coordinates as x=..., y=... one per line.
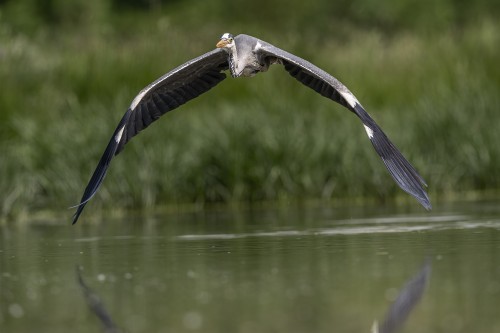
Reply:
x=226, y=42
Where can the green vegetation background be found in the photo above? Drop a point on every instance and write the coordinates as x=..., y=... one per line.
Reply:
x=428, y=72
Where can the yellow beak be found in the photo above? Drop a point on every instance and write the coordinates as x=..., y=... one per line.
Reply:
x=222, y=43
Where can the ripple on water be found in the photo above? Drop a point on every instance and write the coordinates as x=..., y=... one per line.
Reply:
x=365, y=226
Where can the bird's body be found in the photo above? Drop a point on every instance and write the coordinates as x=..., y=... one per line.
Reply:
x=245, y=56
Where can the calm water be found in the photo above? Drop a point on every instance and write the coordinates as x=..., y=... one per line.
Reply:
x=321, y=269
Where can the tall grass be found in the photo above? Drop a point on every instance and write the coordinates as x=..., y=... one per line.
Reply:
x=266, y=138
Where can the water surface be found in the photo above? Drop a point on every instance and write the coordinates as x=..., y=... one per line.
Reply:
x=288, y=269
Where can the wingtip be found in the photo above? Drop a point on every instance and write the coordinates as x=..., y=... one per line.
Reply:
x=426, y=204
x=79, y=209
x=419, y=194
x=76, y=214
x=423, y=197
x=75, y=217
x=405, y=175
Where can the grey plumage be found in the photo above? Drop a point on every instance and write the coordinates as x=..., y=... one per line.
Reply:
x=245, y=55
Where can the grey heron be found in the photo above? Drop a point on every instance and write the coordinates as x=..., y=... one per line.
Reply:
x=244, y=55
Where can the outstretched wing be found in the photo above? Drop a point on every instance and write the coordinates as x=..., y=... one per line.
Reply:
x=323, y=83
x=170, y=91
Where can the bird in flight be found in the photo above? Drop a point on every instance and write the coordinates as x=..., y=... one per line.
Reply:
x=244, y=55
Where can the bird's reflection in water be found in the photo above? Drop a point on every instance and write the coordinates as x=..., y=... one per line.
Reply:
x=96, y=306
x=406, y=300
x=396, y=315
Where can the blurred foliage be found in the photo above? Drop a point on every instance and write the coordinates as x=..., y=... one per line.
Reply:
x=426, y=70
x=390, y=16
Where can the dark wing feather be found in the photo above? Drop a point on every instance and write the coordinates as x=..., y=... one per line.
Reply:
x=165, y=94
x=323, y=83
